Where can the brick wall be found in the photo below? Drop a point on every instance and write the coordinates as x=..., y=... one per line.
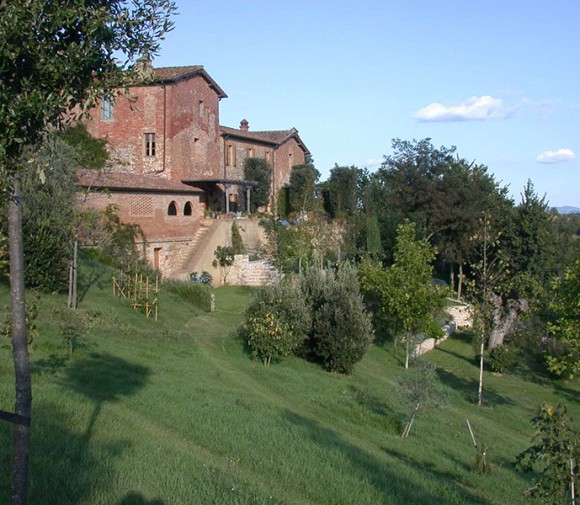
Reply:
x=150, y=212
x=184, y=117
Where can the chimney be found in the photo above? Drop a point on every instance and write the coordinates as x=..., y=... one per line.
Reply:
x=144, y=66
x=244, y=125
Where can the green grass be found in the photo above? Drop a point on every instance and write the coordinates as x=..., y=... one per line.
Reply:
x=176, y=412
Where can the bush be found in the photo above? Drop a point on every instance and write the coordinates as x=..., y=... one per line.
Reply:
x=276, y=323
x=341, y=328
x=237, y=241
x=433, y=330
x=198, y=294
x=501, y=359
x=203, y=278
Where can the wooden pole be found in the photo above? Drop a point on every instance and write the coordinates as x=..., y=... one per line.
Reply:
x=472, y=435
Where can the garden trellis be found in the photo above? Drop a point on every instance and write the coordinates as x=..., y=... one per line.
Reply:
x=142, y=290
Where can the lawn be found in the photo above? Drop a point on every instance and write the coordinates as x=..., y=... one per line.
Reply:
x=175, y=411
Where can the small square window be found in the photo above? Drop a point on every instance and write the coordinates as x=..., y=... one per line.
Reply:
x=149, y=144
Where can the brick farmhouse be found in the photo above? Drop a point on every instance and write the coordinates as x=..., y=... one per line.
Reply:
x=172, y=161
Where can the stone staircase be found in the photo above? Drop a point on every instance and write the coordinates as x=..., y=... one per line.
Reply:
x=253, y=273
x=184, y=264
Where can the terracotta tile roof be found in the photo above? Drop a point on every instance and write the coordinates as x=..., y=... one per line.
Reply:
x=276, y=137
x=127, y=181
x=172, y=74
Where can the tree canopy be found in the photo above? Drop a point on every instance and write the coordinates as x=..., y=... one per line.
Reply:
x=259, y=171
x=302, y=196
x=57, y=57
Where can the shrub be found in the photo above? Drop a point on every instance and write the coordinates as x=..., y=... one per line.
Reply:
x=203, y=278
x=341, y=328
x=237, y=241
x=198, y=294
x=276, y=323
x=433, y=330
x=501, y=359
x=553, y=456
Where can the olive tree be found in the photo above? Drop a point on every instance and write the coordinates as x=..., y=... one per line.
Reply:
x=55, y=57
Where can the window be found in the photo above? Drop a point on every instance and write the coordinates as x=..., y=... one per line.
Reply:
x=200, y=108
x=251, y=152
x=172, y=209
x=149, y=144
x=290, y=160
x=231, y=155
x=107, y=108
x=187, y=209
x=268, y=156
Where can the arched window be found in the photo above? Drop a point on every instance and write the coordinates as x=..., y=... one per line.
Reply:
x=187, y=210
x=172, y=209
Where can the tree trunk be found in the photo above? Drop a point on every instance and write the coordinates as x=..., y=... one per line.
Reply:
x=502, y=324
x=460, y=282
x=452, y=277
x=481, y=364
x=23, y=404
x=72, y=279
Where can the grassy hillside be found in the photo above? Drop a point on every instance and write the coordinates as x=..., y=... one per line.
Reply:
x=175, y=412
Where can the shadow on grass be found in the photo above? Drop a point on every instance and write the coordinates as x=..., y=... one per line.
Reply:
x=49, y=366
x=456, y=355
x=63, y=470
x=569, y=394
x=394, y=421
x=400, y=491
x=103, y=378
x=137, y=499
x=467, y=388
x=91, y=273
x=448, y=477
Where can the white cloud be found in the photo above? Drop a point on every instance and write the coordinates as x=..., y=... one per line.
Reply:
x=473, y=109
x=557, y=156
x=373, y=163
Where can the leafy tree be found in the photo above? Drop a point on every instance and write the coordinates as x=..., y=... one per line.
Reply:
x=341, y=328
x=56, y=56
x=373, y=238
x=442, y=193
x=287, y=246
x=404, y=294
x=224, y=259
x=493, y=289
x=555, y=450
x=260, y=171
x=276, y=322
x=343, y=194
x=564, y=326
x=49, y=215
x=422, y=391
x=89, y=152
x=114, y=243
x=302, y=198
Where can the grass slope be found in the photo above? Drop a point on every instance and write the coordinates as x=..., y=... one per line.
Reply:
x=175, y=412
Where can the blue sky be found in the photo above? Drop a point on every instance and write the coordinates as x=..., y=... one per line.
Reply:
x=498, y=79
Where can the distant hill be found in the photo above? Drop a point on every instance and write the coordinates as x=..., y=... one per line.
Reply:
x=567, y=209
